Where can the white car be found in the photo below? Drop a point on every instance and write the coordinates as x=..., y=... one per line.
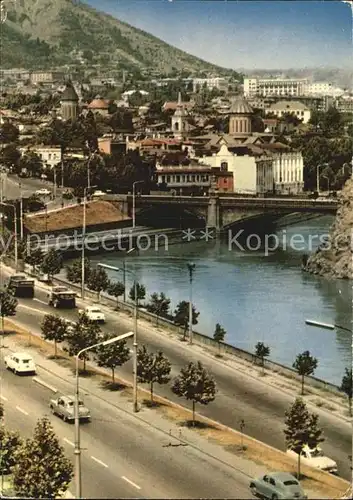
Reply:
x=20, y=362
x=43, y=192
x=315, y=458
x=98, y=193
x=93, y=313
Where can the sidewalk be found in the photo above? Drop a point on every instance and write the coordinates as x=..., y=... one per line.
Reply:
x=167, y=422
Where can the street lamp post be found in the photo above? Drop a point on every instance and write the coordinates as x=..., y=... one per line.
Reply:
x=318, y=176
x=191, y=269
x=54, y=182
x=83, y=242
x=328, y=182
x=117, y=269
x=78, y=474
x=89, y=168
x=15, y=231
x=327, y=326
x=134, y=203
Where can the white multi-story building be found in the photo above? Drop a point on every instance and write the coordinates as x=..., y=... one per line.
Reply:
x=218, y=83
x=251, y=174
x=50, y=155
x=296, y=108
x=323, y=89
x=274, y=87
x=288, y=168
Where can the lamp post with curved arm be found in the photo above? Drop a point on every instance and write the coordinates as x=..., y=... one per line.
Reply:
x=117, y=269
x=15, y=230
x=78, y=475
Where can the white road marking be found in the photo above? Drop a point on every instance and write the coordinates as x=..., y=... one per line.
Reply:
x=69, y=442
x=22, y=411
x=130, y=482
x=3, y=398
x=99, y=461
x=31, y=309
x=44, y=384
x=41, y=301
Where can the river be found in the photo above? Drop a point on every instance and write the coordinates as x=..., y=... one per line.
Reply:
x=255, y=297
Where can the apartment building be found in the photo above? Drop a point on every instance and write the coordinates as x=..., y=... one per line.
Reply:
x=46, y=77
x=218, y=83
x=274, y=87
x=296, y=108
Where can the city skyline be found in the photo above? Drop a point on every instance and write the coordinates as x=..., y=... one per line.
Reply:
x=253, y=35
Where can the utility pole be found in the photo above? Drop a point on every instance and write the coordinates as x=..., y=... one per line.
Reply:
x=83, y=245
x=54, y=182
x=191, y=269
x=135, y=405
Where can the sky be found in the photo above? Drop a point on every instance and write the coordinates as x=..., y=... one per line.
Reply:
x=246, y=34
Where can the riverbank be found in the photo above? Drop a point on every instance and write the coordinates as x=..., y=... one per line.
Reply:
x=334, y=259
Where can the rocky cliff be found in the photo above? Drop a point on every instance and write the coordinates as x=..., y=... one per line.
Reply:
x=334, y=259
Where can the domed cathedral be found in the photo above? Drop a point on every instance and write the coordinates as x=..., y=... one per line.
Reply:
x=69, y=102
x=179, y=120
x=240, y=117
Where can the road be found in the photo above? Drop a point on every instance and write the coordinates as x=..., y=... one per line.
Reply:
x=239, y=396
x=122, y=457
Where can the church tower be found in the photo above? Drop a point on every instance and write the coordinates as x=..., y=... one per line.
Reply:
x=179, y=120
x=240, y=116
x=69, y=103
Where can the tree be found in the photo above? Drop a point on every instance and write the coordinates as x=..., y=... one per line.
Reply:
x=181, y=316
x=115, y=290
x=42, y=469
x=98, y=280
x=159, y=304
x=219, y=335
x=112, y=355
x=74, y=270
x=305, y=364
x=196, y=384
x=10, y=155
x=301, y=429
x=8, y=132
x=262, y=351
x=346, y=387
x=10, y=442
x=34, y=257
x=52, y=263
x=8, y=305
x=1, y=411
x=84, y=334
x=54, y=328
x=152, y=368
x=141, y=292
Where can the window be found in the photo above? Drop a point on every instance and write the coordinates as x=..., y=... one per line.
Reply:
x=176, y=126
x=224, y=166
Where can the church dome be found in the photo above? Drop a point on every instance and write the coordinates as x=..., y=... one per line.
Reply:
x=69, y=93
x=240, y=106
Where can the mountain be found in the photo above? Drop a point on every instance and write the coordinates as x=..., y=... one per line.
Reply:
x=43, y=33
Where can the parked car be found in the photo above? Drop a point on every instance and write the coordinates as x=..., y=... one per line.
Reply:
x=93, y=313
x=64, y=407
x=19, y=363
x=315, y=458
x=276, y=486
x=43, y=192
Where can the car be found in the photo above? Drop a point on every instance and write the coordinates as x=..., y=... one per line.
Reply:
x=315, y=458
x=276, y=486
x=43, y=192
x=64, y=407
x=98, y=193
x=20, y=362
x=94, y=313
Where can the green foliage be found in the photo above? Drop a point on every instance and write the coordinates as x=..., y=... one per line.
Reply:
x=159, y=304
x=112, y=355
x=8, y=133
x=10, y=442
x=1, y=410
x=52, y=263
x=196, y=384
x=74, y=270
x=85, y=333
x=8, y=304
x=31, y=163
x=347, y=387
x=219, y=333
x=115, y=289
x=98, y=280
x=181, y=315
x=141, y=292
x=10, y=155
x=301, y=429
x=34, y=257
x=262, y=351
x=54, y=328
x=305, y=364
x=152, y=368
x=42, y=469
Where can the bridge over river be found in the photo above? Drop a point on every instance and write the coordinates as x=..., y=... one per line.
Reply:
x=219, y=212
